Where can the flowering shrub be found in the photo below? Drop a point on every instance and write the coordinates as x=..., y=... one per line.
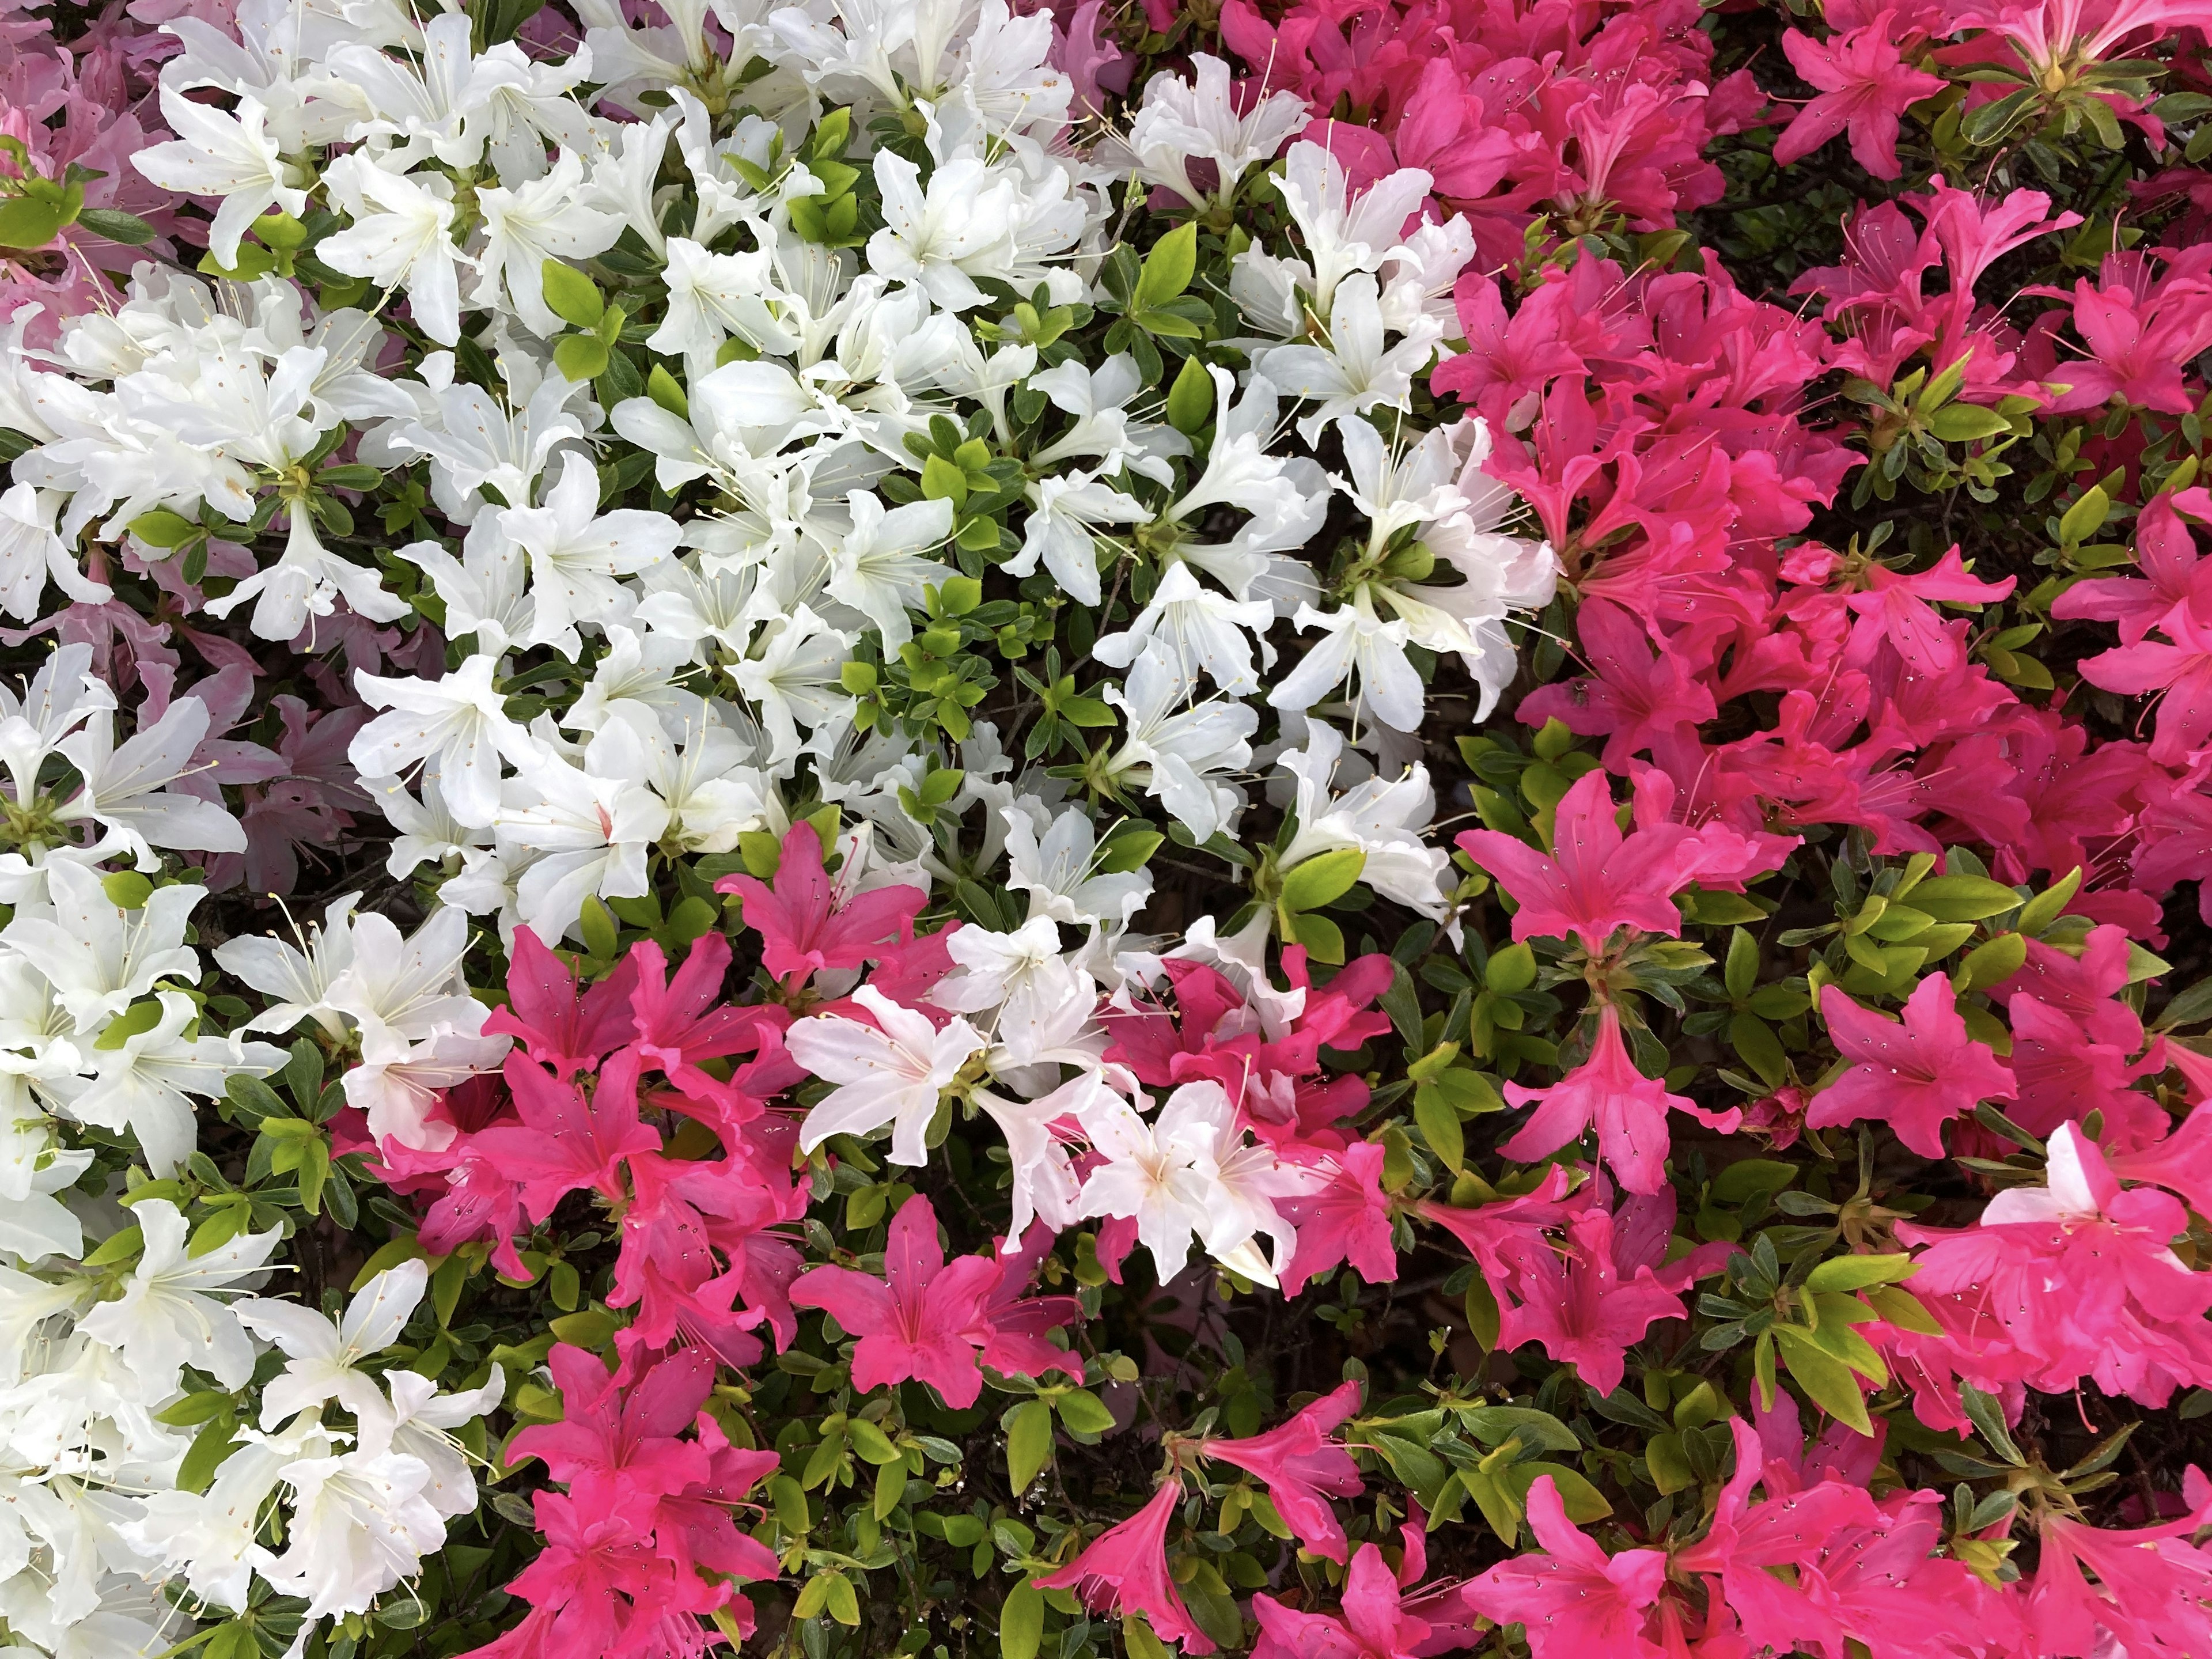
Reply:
x=935, y=826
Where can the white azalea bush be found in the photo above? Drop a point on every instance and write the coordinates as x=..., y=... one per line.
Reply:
x=632, y=457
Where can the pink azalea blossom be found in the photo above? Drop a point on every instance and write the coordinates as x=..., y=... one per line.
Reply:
x=1916, y=1076
x=1303, y=1467
x=921, y=1322
x=1629, y=1109
x=1574, y=1600
x=1125, y=1570
x=804, y=929
x=1863, y=87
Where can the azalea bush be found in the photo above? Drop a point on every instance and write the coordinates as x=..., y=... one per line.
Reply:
x=1338, y=828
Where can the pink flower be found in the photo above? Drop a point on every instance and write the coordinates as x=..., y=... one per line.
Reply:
x=1916, y=1076
x=1636, y=694
x=1629, y=1109
x=2173, y=573
x=544, y=1012
x=616, y=1449
x=1576, y=1308
x=1864, y=87
x=1375, y=1623
x=921, y=1320
x=2182, y=669
x=566, y=1141
x=1596, y=879
x=804, y=929
x=1303, y=1467
x=1574, y=1600
x=2151, y=1589
x=1014, y=1324
x=1787, y=1529
x=1125, y=1570
x=1347, y=1221
x=2073, y=1280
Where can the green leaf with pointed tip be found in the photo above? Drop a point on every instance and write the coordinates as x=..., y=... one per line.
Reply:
x=1323, y=878
x=572, y=296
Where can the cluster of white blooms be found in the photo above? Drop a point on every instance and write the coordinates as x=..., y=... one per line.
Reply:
x=113, y=1360
x=123, y=1371
x=712, y=366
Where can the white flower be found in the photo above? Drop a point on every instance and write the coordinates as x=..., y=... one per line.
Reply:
x=1058, y=870
x=398, y=1081
x=545, y=219
x=144, y=1083
x=300, y=979
x=713, y=296
x=1021, y=975
x=359, y=1524
x=1045, y=1185
x=30, y=551
x=593, y=823
x=1384, y=820
x=461, y=720
x=795, y=679
x=209, y=1537
x=100, y=957
x=1182, y=121
x=1356, y=644
x=1191, y=1171
x=413, y=987
x=168, y=1315
x=486, y=591
x=1344, y=234
x=1355, y=371
x=1202, y=631
x=576, y=553
x=1066, y=513
x=227, y=154
x=125, y=789
x=942, y=239
x=400, y=238
x=876, y=567
x=891, y=1072
x=323, y=1357
x=420, y=1418
x=1174, y=748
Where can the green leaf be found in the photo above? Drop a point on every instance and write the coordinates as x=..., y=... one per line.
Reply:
x=1168, y=268
x=1903, y=1310
x=1964, y=898
x=1029, y=1443
x=1992, y=963
x=1987, y=1416
x=580, y=357
x=597, y=925
x=1322, y=939
x=1512, y=968
x=1323, y=878
x=1856, y=1273
x=1021, y=1622
x=1583, y=1502
x=1957, y=423
x=1128, y=851
x=127, y=228
x=1828, y=1382
x=1440, y=1127
x=31, y=221
x=210, y=1447
x=2039, y=912
x=162, y=528
x=2086, y=517
x=127, y=889
x=1742, y=973
x=1085, y=1413
x=1190, y=399
x=942, y=481
x=1753, y=1039
x=663, y=388
x=134, y=1021
x=572, y=296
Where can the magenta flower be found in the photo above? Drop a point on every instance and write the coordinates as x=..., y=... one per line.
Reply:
x=2172, y=572
x=922, y=1322
x=1303, y=1467
x=1916, y=1076
x=1374, y=1624
x=544, y=1012
x=1125, y=1570
x=1347, y=1221
x=618, y=1448
x=1578, y=1307
x=568, y=1141
x=2182, y=669
x=804, y=928
x=1629, y=1109
x=1596, y=879
x=1863, y=87
x=1574, y=1600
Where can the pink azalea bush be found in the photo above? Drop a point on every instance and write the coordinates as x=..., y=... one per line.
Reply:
x=1336, y=828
